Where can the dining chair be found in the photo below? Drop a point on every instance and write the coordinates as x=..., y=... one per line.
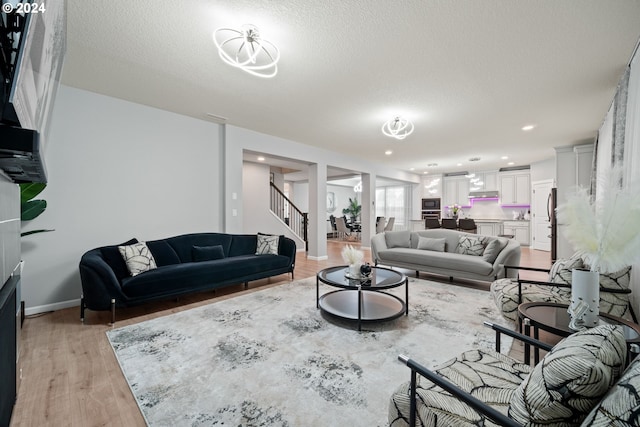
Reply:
x=432, y=223
x=380, y=225
x=341, y=227
x=449, y=223
x=468, y=225
x=334, y=229
x=389, y=226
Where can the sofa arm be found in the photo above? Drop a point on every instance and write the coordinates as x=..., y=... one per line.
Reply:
x=99, y=282
x=287, y=247
x=378, y=243
x=510, y=255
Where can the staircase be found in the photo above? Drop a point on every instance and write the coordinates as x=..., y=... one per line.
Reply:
x=283, y=208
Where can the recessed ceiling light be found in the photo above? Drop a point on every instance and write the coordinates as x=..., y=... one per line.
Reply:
x=510, y=163
x=504, y=157
x=425, y=172
x=412, y=169
x=388, y=152
x=459, y=164
x=261, y=159
x=528, y=127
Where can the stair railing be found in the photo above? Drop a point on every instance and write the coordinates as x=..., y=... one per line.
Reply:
x=289, y=213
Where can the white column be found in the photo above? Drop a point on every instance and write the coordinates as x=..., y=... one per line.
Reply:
x=317, y=211
x=368, y=215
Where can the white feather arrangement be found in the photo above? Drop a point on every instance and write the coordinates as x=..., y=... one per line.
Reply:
x=604, y=232
x=352, y=256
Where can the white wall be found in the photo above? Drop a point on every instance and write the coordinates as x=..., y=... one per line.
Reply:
x=117, y=170
x=9, y=228
x=342, y=198
x=543, y=170
x=632, y=157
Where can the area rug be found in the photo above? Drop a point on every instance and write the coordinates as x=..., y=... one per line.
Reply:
x=270, y=358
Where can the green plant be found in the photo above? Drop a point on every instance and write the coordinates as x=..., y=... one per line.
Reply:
x=30, y=208
x=353, y=209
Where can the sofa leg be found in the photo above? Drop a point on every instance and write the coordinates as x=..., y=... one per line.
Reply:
x=417, y=274
x=246, y=285
x=82, y=308
x=451, y=278
x=113, y=312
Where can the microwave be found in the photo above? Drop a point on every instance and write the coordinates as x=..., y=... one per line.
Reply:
x=430, y=204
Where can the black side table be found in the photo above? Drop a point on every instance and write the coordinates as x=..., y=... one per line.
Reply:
x=554, y=318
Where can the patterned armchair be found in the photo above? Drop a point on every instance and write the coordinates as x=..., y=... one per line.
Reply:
x=614, y=290
x=581, y=381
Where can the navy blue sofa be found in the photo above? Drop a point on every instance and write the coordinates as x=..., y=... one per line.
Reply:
x=107, y=284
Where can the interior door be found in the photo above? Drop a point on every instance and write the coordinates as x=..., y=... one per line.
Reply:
x=540, y=221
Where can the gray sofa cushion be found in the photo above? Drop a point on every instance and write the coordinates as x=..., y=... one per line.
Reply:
x=398, y=239
x=430, y=244
x=443, y=260
x=493, y=248
x=450, y=236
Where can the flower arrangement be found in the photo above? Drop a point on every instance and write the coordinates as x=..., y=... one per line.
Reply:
x=352, y=256
x=455, y=208
x=604, y=232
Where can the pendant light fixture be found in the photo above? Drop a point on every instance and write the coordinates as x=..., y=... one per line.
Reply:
x=398, y=128
x=247, y=50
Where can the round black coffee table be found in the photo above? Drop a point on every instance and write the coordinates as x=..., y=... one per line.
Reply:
x=362, y=299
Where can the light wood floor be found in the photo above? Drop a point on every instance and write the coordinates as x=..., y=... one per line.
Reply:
x=70, y=376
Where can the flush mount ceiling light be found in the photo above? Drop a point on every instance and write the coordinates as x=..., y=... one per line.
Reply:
x=397, y=127
x=528, y=127
x=245, y=49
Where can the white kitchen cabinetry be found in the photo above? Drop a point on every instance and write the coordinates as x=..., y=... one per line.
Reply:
x=489, y=181
x=515, y=188
x=519, y=229
x=455, y=190
x=489, y=228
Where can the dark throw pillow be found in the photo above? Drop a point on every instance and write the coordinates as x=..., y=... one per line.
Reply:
x=207, y=253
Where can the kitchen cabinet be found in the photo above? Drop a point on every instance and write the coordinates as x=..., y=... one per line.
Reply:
x=489, y=228
x=515, y=188
x=489, y=181
x=455, y=191
x=519, y=229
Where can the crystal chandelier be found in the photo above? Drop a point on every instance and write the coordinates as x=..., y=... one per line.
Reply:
x=245, y=49
x=397, y=127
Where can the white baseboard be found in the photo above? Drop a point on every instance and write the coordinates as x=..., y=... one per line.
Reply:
x=28, y=311
x=317, y=258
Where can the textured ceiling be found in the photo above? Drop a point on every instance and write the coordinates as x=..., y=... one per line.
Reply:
x=468, y=73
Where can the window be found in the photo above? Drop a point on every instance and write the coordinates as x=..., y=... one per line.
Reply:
x=394, y=202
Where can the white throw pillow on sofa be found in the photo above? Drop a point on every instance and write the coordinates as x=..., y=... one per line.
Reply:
x=138, y=258
x=469, y=245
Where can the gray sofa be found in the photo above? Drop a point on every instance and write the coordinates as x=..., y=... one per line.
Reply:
x=448, y=252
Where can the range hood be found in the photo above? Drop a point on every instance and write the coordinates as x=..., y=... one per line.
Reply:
x=20, y=156
x=484, y=194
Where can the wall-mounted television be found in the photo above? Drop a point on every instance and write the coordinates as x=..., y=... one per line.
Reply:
x=33, y=47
